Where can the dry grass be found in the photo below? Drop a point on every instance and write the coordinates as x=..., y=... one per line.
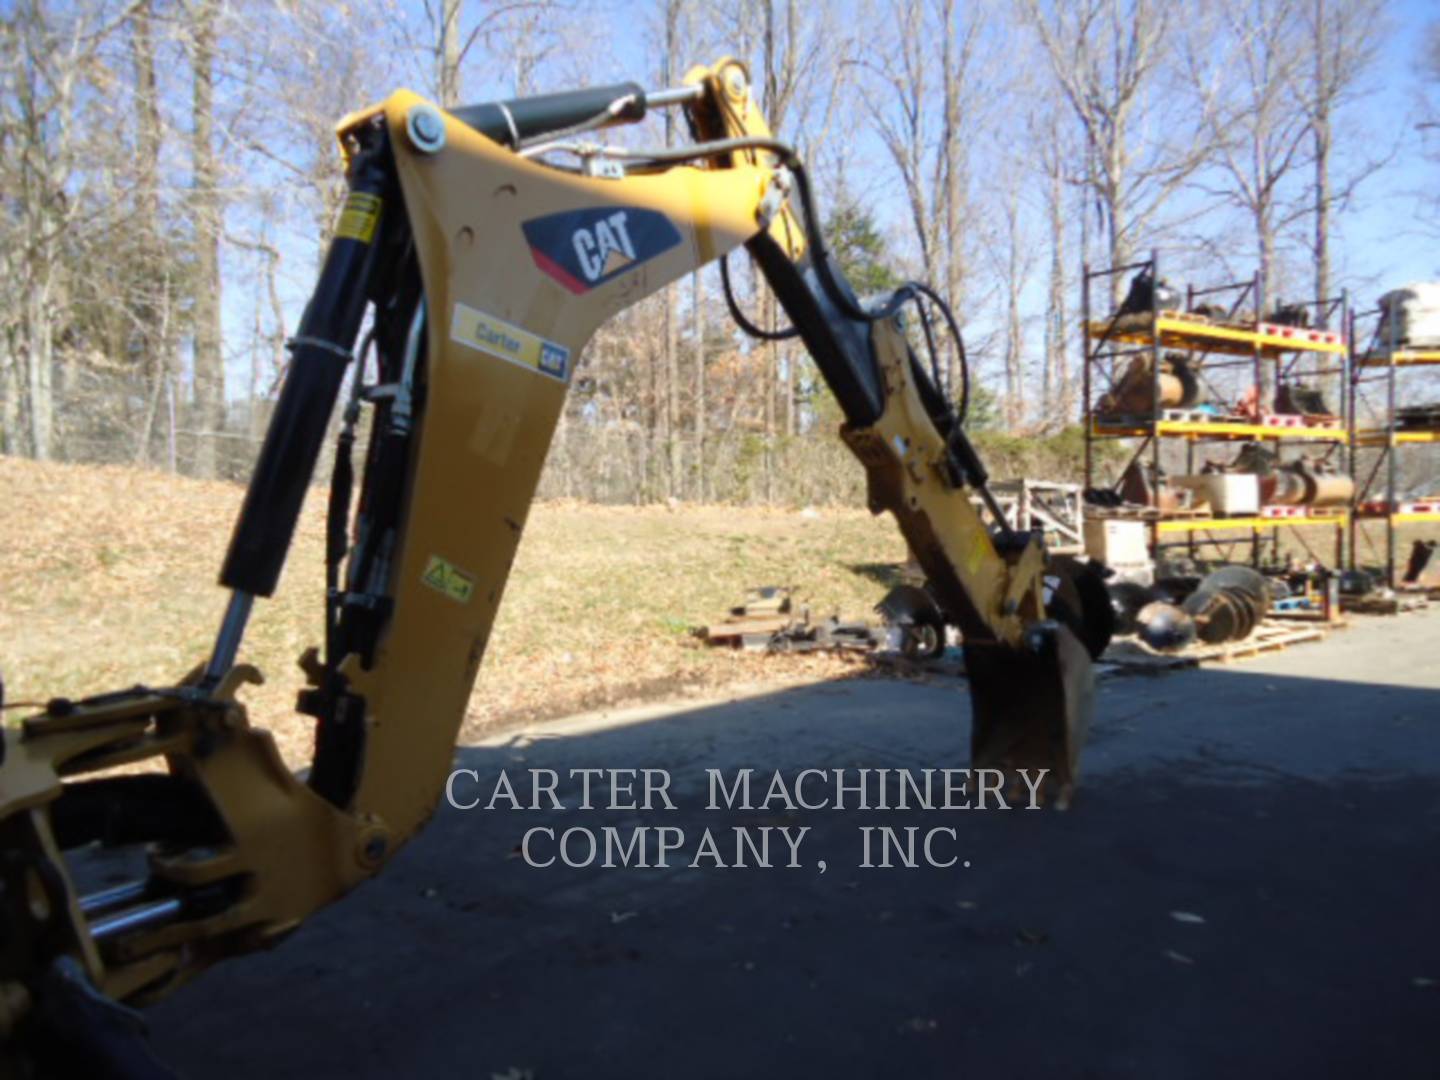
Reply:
x=107, y=578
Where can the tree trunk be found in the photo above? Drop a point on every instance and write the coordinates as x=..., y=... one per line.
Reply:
x=1266, y=233
x=1320, y=127
x=1014, y=330
x=147, y=101
x=10, y=395
x=697, y=315
x=1054, y=393
x=1265, y=249
x=672, y=397
x=775, y=93
x=769, y=352
x=159, y=378
x=674, y=476
x=787, y=390
x=209, y=359
x=953, y=189
x=1120, y=245
x=1322, y=214
x=154, y=304
x=39, y=368
x=448, y=77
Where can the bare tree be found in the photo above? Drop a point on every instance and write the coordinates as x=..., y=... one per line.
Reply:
x=1343, y=38
x=1242, y=59
x=1016, y=271
x=1012, y=256
x=956, y=62
x=673, y=11
x=1052, y=153
x=799, y=63
x=49, y=57
x=932, y=59
x=447, y=54
x=154, y=318
x=779, y=82
x=207, y=346
x=1108, y=57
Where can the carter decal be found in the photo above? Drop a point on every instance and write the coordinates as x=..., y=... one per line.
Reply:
x=485, y=332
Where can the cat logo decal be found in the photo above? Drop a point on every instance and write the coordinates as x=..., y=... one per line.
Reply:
x=582, y=249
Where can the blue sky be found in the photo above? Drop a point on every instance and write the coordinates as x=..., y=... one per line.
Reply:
x=1384, y=241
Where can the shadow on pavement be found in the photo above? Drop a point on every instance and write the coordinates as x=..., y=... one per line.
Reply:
x=1302, y=826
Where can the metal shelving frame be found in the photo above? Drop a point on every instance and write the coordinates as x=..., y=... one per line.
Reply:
x=1382, y=362
x=1250, y=343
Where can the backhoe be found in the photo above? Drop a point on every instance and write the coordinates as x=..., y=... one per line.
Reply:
x=477, y=251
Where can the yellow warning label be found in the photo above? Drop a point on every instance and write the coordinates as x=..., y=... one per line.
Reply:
x=357, y=220
x=442, y=577
x=509, y=342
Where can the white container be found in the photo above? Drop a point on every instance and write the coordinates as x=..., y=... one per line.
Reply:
x=1232, y=494
x=1116, y=543
x=1139, y=573
x=1415, y=312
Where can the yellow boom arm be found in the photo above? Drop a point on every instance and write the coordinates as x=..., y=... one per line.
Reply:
x=487, y=245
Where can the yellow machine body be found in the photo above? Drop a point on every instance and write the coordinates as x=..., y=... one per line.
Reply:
x=504, y=326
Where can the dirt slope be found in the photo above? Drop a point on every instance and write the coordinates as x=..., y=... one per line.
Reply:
x=107, y=578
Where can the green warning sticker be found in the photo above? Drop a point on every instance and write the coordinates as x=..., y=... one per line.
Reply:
x=443, y=577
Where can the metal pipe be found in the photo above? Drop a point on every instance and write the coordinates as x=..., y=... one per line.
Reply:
x=135, y=918
x=675, y=95
x=227, y=641
x=109, y=898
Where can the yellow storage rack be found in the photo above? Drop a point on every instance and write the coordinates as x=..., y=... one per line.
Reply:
x=1381, y=364
x=1242, y=341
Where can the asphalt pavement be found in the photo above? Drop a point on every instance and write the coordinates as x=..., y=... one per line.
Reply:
x=1245, y=885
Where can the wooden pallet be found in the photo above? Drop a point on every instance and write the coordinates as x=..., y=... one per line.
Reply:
x=733, y=630
x=1133, y=655
x=1430, y=594
x=1194, y=416
x=1167, y=416
x=1121, y=513
x=1385, y=605
x=1189, y=316
x=1142, y=513
x=1380, y=507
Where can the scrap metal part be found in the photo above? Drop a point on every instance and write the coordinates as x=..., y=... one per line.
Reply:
x=1226, y=605
x=1423, y=569
x=918, y=617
